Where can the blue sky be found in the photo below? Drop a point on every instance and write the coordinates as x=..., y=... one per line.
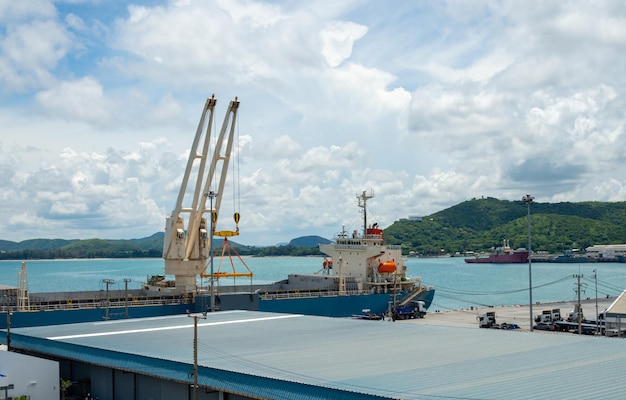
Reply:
x=427, y=103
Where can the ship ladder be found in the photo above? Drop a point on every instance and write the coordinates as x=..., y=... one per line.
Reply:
x=411, y=296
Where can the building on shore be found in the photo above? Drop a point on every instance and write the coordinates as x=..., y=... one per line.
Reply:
x=608, y=252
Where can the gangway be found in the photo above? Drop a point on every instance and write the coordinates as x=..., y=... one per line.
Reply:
x=414, y=293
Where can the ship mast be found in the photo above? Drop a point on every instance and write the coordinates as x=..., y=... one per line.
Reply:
x=363, y=204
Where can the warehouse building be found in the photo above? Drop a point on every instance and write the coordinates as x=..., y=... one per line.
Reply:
x=609, y=252
x=253, y=355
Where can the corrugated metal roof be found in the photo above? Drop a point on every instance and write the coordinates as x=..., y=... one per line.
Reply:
x=619, y=305
x=290, y=356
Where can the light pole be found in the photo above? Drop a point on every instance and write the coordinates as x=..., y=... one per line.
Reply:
x=528, y=200
x=126, y=280
x=8, y=305
x=595, y=277
x=107, y=282
x=195, y=352
x=211, y=195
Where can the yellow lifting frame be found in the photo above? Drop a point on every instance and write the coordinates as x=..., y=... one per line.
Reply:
x=227, y=251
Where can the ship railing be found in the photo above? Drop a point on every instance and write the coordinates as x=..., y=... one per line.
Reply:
x=308, y=294
x=344, y=246
x=102, y=303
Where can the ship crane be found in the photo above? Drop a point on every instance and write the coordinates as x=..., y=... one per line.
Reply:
x=187, y=248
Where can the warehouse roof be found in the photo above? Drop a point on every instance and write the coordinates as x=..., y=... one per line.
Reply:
x=619, y=306
x=294, y=356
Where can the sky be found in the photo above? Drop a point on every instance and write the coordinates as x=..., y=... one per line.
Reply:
x=425, y=103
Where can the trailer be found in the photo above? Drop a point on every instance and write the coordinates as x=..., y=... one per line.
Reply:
x=586, y=327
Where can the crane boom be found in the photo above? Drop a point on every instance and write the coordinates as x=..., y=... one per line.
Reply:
x=186, y=249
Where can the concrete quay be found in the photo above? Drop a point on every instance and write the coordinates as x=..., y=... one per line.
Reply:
x=516, y=314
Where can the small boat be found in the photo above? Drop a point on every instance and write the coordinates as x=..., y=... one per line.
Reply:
x=502, y=255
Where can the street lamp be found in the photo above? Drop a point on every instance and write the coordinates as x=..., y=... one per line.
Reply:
x=126, y=280
x=528, y=200
x=8, y=310
x=195, y=352
x=595, y=277
x=211, y=195
x=107, y=282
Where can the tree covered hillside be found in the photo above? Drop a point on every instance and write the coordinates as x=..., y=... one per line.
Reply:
x=481, y=224
x=475, y=225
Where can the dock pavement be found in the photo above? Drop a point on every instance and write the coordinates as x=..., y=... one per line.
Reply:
x=516, y=314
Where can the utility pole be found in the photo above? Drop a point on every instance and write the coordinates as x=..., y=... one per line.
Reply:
x=195, y=352
x=579, y=309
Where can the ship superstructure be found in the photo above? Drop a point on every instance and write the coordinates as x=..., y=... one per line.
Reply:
x=367, y=261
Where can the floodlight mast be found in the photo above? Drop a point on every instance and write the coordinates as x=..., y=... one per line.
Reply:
x=528, y=200
x=187, y=248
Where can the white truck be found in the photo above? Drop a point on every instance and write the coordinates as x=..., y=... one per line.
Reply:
x=487, y=320
x=549, y=316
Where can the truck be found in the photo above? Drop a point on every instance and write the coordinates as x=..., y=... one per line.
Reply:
x=577, y=314
x=577, y=323
x=549, y=316
x=412, y=309
x=487, y=320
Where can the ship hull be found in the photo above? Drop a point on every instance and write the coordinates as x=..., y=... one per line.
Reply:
x=327, y=306
x=22, y=319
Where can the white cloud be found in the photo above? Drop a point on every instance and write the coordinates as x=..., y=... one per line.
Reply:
x=428, y=104
x=11, y=11
x=338, y=38
x=29, y=52
x=81, y=100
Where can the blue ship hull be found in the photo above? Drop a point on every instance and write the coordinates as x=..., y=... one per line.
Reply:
x=21, y=319
x=329, y=306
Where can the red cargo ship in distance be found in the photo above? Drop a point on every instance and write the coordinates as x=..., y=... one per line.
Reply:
x=502, y=255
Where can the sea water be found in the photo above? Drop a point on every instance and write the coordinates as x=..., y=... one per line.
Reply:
x=458, y=285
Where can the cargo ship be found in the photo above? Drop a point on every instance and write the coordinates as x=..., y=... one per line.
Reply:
x=360, y=274
x=501, y=255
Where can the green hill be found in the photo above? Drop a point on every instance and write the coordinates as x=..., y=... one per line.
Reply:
x=308, y=241
x=480, y=224
x=473, y=225
x=151, y=246
x=42, y=244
